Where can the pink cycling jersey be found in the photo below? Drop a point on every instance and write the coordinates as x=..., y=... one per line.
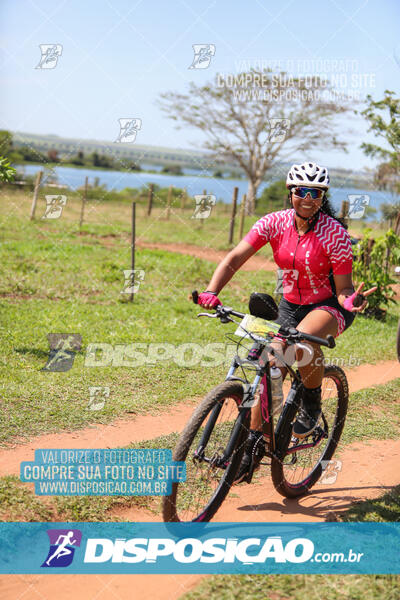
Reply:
x=306, y=260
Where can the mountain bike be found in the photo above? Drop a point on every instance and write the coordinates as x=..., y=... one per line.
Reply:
x=212, y=443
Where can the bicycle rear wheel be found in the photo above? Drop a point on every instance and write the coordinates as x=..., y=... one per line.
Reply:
x=210, y=470
x=293, y=471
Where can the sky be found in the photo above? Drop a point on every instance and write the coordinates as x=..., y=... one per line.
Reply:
x=119, y=55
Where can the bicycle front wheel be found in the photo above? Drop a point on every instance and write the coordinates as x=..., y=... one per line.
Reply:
x=298, y=464
x=212, y=444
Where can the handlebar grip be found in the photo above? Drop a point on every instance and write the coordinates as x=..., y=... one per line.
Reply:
x=195, y=296
x=329, y=342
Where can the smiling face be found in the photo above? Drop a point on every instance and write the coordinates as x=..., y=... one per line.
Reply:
x=304, y=204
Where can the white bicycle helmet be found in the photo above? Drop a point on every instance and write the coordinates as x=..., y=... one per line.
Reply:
x=308, y=174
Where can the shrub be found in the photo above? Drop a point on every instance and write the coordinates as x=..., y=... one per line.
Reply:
x=377, y=269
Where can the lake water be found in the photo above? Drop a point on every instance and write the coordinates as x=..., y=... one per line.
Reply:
x=193, y=181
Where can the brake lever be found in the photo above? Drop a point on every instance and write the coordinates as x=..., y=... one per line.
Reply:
x=207, y=315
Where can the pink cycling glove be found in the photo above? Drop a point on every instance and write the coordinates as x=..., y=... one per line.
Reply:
x=207, y=298
x=349, y=303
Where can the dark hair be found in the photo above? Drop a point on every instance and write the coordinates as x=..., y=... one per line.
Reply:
x=327, y=208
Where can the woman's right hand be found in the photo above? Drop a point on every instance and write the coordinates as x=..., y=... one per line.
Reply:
x=208, y=300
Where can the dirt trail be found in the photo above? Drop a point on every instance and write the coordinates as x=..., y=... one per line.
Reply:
x=255, y=263
x=368, y=470
x=122, y=433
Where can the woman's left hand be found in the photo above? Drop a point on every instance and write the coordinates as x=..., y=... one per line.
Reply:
x=348, y=304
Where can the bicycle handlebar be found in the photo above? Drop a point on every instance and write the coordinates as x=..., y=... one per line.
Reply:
x=289, y=333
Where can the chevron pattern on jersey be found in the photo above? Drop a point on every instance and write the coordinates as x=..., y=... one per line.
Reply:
x=334, y=239
x=272, y=225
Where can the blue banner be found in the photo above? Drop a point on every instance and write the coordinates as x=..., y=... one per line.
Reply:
x=128, y=548
x=103, y=472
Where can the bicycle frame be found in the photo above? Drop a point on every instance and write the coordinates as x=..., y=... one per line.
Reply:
x=263, y=374
x=263, y=377
x=291, y=405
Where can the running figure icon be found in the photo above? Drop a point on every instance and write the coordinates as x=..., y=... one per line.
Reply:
x=62, y=549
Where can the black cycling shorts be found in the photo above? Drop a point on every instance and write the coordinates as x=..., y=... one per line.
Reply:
x=291, y=314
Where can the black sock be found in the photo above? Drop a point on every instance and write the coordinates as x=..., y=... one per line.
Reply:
x=311, y=395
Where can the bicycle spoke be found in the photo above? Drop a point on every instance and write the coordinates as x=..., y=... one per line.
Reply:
x=302, y=463
x=207, y=468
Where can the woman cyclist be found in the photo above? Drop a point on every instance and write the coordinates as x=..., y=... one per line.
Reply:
x=313, y=249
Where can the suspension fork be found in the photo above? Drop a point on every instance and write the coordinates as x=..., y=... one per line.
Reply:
x=244, y=408
x=215, y=414
x=284, y=425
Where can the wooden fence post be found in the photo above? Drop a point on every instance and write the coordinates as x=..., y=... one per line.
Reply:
x=202, y=220
x=397, y=225
x=84, y=198
x=241, y=221
x=35, y=194
x=233, y=214
x=344, y=211
x=366, y=257
x=183, y=199
x=150, y=199
x=133, y=246
x=169, y=201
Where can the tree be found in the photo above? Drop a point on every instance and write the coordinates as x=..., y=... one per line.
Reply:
x=272, y=198
x=386, y=126
x=101, y=160
x=7, y=172
x=172, y=170
x=257, y=119
x=6, y=143
x=79, y=159
x=53, y=155
x=385, y=176
x=390, y=211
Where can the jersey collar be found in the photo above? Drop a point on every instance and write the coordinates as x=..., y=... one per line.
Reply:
x=311, y=224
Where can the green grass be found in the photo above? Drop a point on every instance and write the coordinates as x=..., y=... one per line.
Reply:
x=363, y=423
x=385, y=508
x=109, y=214
x=18, y=501
x=382, y=509
x=53, y=280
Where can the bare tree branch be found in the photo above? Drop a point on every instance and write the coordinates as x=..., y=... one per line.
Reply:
x=236, y=115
